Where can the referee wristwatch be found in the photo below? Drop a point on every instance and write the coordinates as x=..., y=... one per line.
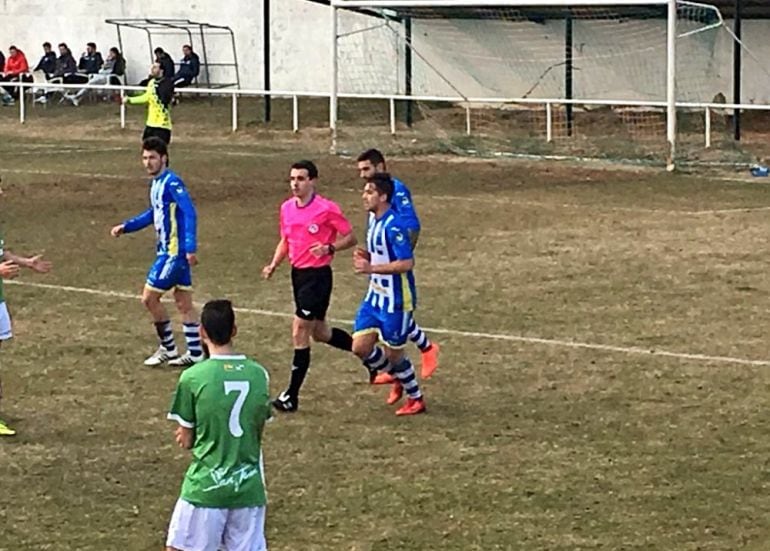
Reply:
x=332, y=248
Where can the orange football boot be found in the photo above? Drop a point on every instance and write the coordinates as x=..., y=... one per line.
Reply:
x=412, y=407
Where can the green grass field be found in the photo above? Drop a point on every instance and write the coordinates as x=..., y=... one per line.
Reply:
x=605, y=369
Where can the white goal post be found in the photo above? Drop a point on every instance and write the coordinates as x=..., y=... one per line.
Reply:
x=671, y=40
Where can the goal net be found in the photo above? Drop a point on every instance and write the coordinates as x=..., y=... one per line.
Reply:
x=575, y=80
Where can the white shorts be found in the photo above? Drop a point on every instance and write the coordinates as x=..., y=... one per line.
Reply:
x=5, y=323
x=207, y=529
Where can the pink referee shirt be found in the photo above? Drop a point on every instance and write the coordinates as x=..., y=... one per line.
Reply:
x=303, y=227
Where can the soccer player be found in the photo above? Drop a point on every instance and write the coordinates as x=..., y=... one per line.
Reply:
x=386, y=310
x=313, y=228
x=371, y=162
x=157, y=96
x=173, y=214
x=9, y=269
x=221, y=406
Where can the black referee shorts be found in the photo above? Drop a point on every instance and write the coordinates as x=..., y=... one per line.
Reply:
x=312, y=292
x=162, y=133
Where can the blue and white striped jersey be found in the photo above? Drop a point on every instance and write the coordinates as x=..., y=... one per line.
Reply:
x=387, y=241
x=173, y=214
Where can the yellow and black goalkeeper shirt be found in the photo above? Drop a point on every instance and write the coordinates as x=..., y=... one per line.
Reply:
x=157, y=96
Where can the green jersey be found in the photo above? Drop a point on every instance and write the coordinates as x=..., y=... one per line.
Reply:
x=226, y=399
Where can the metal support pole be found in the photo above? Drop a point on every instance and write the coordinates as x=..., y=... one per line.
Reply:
x=737, y=67
x=671, y=85
x=548, y=122
x=708, y=127
x=568, y=71
x=266, y=55
x=408, y=69
x=333, y=96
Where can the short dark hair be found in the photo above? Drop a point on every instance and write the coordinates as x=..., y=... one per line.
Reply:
x=312, y=170
x=46, y=44
x=158, y=50
x=154, y=143
x=187, y=46
x=218, y=319
x=13, y=48
x=91, y=45
x=374, y=156
x=64, y=45
x=384, y=184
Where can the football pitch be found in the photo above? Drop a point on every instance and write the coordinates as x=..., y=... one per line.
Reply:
x=604, y=378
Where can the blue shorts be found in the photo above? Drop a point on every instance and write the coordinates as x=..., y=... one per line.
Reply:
x=169, y=272
x=393, y=328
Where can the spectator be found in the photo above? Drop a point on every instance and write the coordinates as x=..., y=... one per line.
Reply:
x=16, y=70
x=47, y=63
x=189, y=68
x=65, y=70
x=112, y=68
x=91, y=61
x=65, y=63
x=2, y=59
x=165, y=62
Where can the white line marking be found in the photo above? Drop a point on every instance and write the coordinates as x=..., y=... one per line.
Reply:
x=634, y=350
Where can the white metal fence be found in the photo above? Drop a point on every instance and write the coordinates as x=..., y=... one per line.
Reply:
x=467, y=103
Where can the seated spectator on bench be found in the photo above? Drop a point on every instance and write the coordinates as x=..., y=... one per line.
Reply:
x=91, y=60
x=112, y=69
x=65, y=63
x=189, y=68
x=64, y=71
x=47, y=63
x=16, y=70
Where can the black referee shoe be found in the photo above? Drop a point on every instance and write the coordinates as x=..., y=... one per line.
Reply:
x=286, y=403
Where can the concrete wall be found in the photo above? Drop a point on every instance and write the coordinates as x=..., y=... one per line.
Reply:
x=490, y=58
x=299, y=32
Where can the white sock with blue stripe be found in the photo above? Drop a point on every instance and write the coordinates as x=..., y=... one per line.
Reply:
x=404, y=372
x=418, y=336
x=166, y=335
x=193, y=337
x=376, y=361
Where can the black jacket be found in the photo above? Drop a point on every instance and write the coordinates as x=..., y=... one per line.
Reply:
x=167, y=64
x=47, y=63
x=90, y=63
x=189, y=66
x=65, y=65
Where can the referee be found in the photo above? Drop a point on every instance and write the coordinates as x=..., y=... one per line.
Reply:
x=312, y=228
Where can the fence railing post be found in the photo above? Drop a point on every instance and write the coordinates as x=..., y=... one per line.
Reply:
x=708, y=127
x=548, y=122
x=22, y=105
x=392, y=106
x=468, y=119
x=235, y=112
x=122, y=108
x=295, y=114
